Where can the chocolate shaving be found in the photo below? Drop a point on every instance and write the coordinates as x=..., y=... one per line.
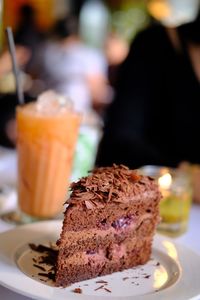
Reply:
x=98, y=204
x=49, y=258
x=147, y=276
x=110, y=193
x=100, y=287
x=89, y=204
x=102, y=281
x=48, y=275
x=39, y=267
x=107, y=290
x=41, y=248
x=98, y=195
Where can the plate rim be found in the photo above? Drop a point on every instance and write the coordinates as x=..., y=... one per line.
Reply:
x=158, y=238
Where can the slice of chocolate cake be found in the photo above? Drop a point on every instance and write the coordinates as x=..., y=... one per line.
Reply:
x=108, y=225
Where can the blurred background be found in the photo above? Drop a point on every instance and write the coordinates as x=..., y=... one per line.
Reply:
x=73, y=47
x=76, y=48
x=108, y=26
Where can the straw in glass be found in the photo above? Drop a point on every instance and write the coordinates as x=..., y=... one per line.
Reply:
x=20, y=94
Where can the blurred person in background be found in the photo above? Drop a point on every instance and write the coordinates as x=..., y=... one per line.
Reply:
x=22, y=56
x=116, y=50
x=8, y=98
x=74, y=69
x=154, y=118
x=29, y=35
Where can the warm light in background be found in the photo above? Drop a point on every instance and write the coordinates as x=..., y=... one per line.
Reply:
x=159, y=9
x=1, y=22
x=165, y=181
x=44, y=12
x=173, y=13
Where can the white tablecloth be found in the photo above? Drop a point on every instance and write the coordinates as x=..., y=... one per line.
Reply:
x=191, y=239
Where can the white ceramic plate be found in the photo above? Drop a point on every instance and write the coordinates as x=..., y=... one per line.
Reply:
x=172, y=273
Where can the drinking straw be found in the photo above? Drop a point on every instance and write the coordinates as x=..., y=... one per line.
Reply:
x=11, y=43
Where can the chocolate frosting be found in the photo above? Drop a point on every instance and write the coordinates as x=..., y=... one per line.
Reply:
x=117, y=184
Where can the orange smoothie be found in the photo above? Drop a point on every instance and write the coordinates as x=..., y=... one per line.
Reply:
x=46, y=145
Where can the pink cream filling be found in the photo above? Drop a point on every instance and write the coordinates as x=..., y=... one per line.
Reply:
x=116, y=251
x=98, y=257
x=123, y=223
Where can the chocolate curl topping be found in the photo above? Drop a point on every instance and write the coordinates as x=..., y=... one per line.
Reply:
x=106, y=184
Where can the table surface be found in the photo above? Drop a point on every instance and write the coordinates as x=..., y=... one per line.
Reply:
x=190, y=239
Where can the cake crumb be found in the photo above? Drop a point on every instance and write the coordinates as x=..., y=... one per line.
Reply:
x=77, y=291
x=125, y=278
x=147, y=276
x=158, y=264
x=135, y=283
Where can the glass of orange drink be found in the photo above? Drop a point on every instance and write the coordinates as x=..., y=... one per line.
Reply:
x=47, y=133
